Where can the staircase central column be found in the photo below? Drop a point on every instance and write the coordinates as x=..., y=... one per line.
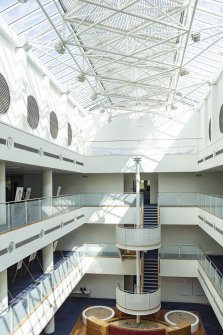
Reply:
x=138, y=216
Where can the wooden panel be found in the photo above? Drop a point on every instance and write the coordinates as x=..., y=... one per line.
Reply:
x=97, y=327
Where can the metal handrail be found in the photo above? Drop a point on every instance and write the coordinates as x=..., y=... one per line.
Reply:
x=133, y=292
x=67, y=195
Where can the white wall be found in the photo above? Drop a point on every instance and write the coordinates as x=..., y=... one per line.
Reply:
x=101, y=286
x=89, y=183
x=25, y=76
x=182, y=290
x=88, y=234
x=179, y=215
x=191, y=182
x=180, y=235
x=183, y=124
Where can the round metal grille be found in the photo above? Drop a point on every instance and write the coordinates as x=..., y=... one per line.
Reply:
x=209, y=129
x=32, y=112
x=221, y=119
x=53, y=125
x=69, y=134
x=4, y=95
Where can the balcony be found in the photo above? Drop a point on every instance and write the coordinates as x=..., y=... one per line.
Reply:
x=138, y=303
x=17, y=214
x=133, y=238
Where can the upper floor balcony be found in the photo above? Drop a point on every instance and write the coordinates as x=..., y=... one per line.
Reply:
x=205, y=210
x=17, y=214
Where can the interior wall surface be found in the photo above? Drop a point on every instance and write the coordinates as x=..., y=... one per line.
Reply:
x=101, y=286
x=89, y=183
x=209, y=183
x=183, y=124
x=182, y=290
x=192, y=235
x=87, y=233
x=26, y=76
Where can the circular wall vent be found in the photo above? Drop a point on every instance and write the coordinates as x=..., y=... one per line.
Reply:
x=32, y=112
x=69, y=134
x=209, y=130
x=221, y=119
x=53, y=125
x=4, y=95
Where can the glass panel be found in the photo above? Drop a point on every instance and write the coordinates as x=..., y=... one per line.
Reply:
x=34, y=211
x=47, y=210
x=6, y=322
x=17, y=214
x=4, y=219
x=19, y=312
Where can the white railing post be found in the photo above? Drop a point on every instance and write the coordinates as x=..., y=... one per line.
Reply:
x=26, y=211
x=9, y=216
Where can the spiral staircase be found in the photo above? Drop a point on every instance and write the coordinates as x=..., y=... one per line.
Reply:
x=144, y=239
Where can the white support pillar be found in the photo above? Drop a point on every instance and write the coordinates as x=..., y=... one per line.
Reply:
x=3, y=290
x=138, y=219
x=2, y=182
x=48, y=262
x=47, y=183
x=48, y=258
x=214, y=113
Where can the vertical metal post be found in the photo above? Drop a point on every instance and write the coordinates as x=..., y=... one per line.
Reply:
x=138, y=216
x=26, y=212
x=9, y=216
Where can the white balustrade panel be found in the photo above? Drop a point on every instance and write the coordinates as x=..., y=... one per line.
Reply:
x=138, y=303
x=138, y=238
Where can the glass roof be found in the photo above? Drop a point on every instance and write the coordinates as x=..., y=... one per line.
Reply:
x=125, y=55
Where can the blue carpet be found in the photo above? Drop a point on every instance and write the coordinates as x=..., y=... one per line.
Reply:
x=218, y=262
x=69, y=312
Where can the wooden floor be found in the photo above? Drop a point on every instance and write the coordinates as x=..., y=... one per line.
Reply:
x=80, y=329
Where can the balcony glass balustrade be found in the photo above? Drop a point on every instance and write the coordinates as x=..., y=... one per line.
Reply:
x=135, y=238
x=145, y=302
x=195, y=252
x=20, y=309
x=134, y=303
x=17, y=214
x=208, y=202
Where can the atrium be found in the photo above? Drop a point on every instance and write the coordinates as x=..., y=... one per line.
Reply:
x=111, y=162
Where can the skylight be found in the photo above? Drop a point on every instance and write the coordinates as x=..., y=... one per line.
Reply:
x=126, y=55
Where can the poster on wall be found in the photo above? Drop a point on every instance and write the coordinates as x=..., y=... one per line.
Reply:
x=28, y=193
x=19, y=194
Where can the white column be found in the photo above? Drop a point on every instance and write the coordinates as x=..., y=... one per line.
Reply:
x=2, y=182
x=214, y=113
x=3, y=290
x=138, y=217
x=47, y=183
x=47, y=254
x=2, y=194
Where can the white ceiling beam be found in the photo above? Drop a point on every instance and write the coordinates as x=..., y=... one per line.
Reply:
x=139, y=16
